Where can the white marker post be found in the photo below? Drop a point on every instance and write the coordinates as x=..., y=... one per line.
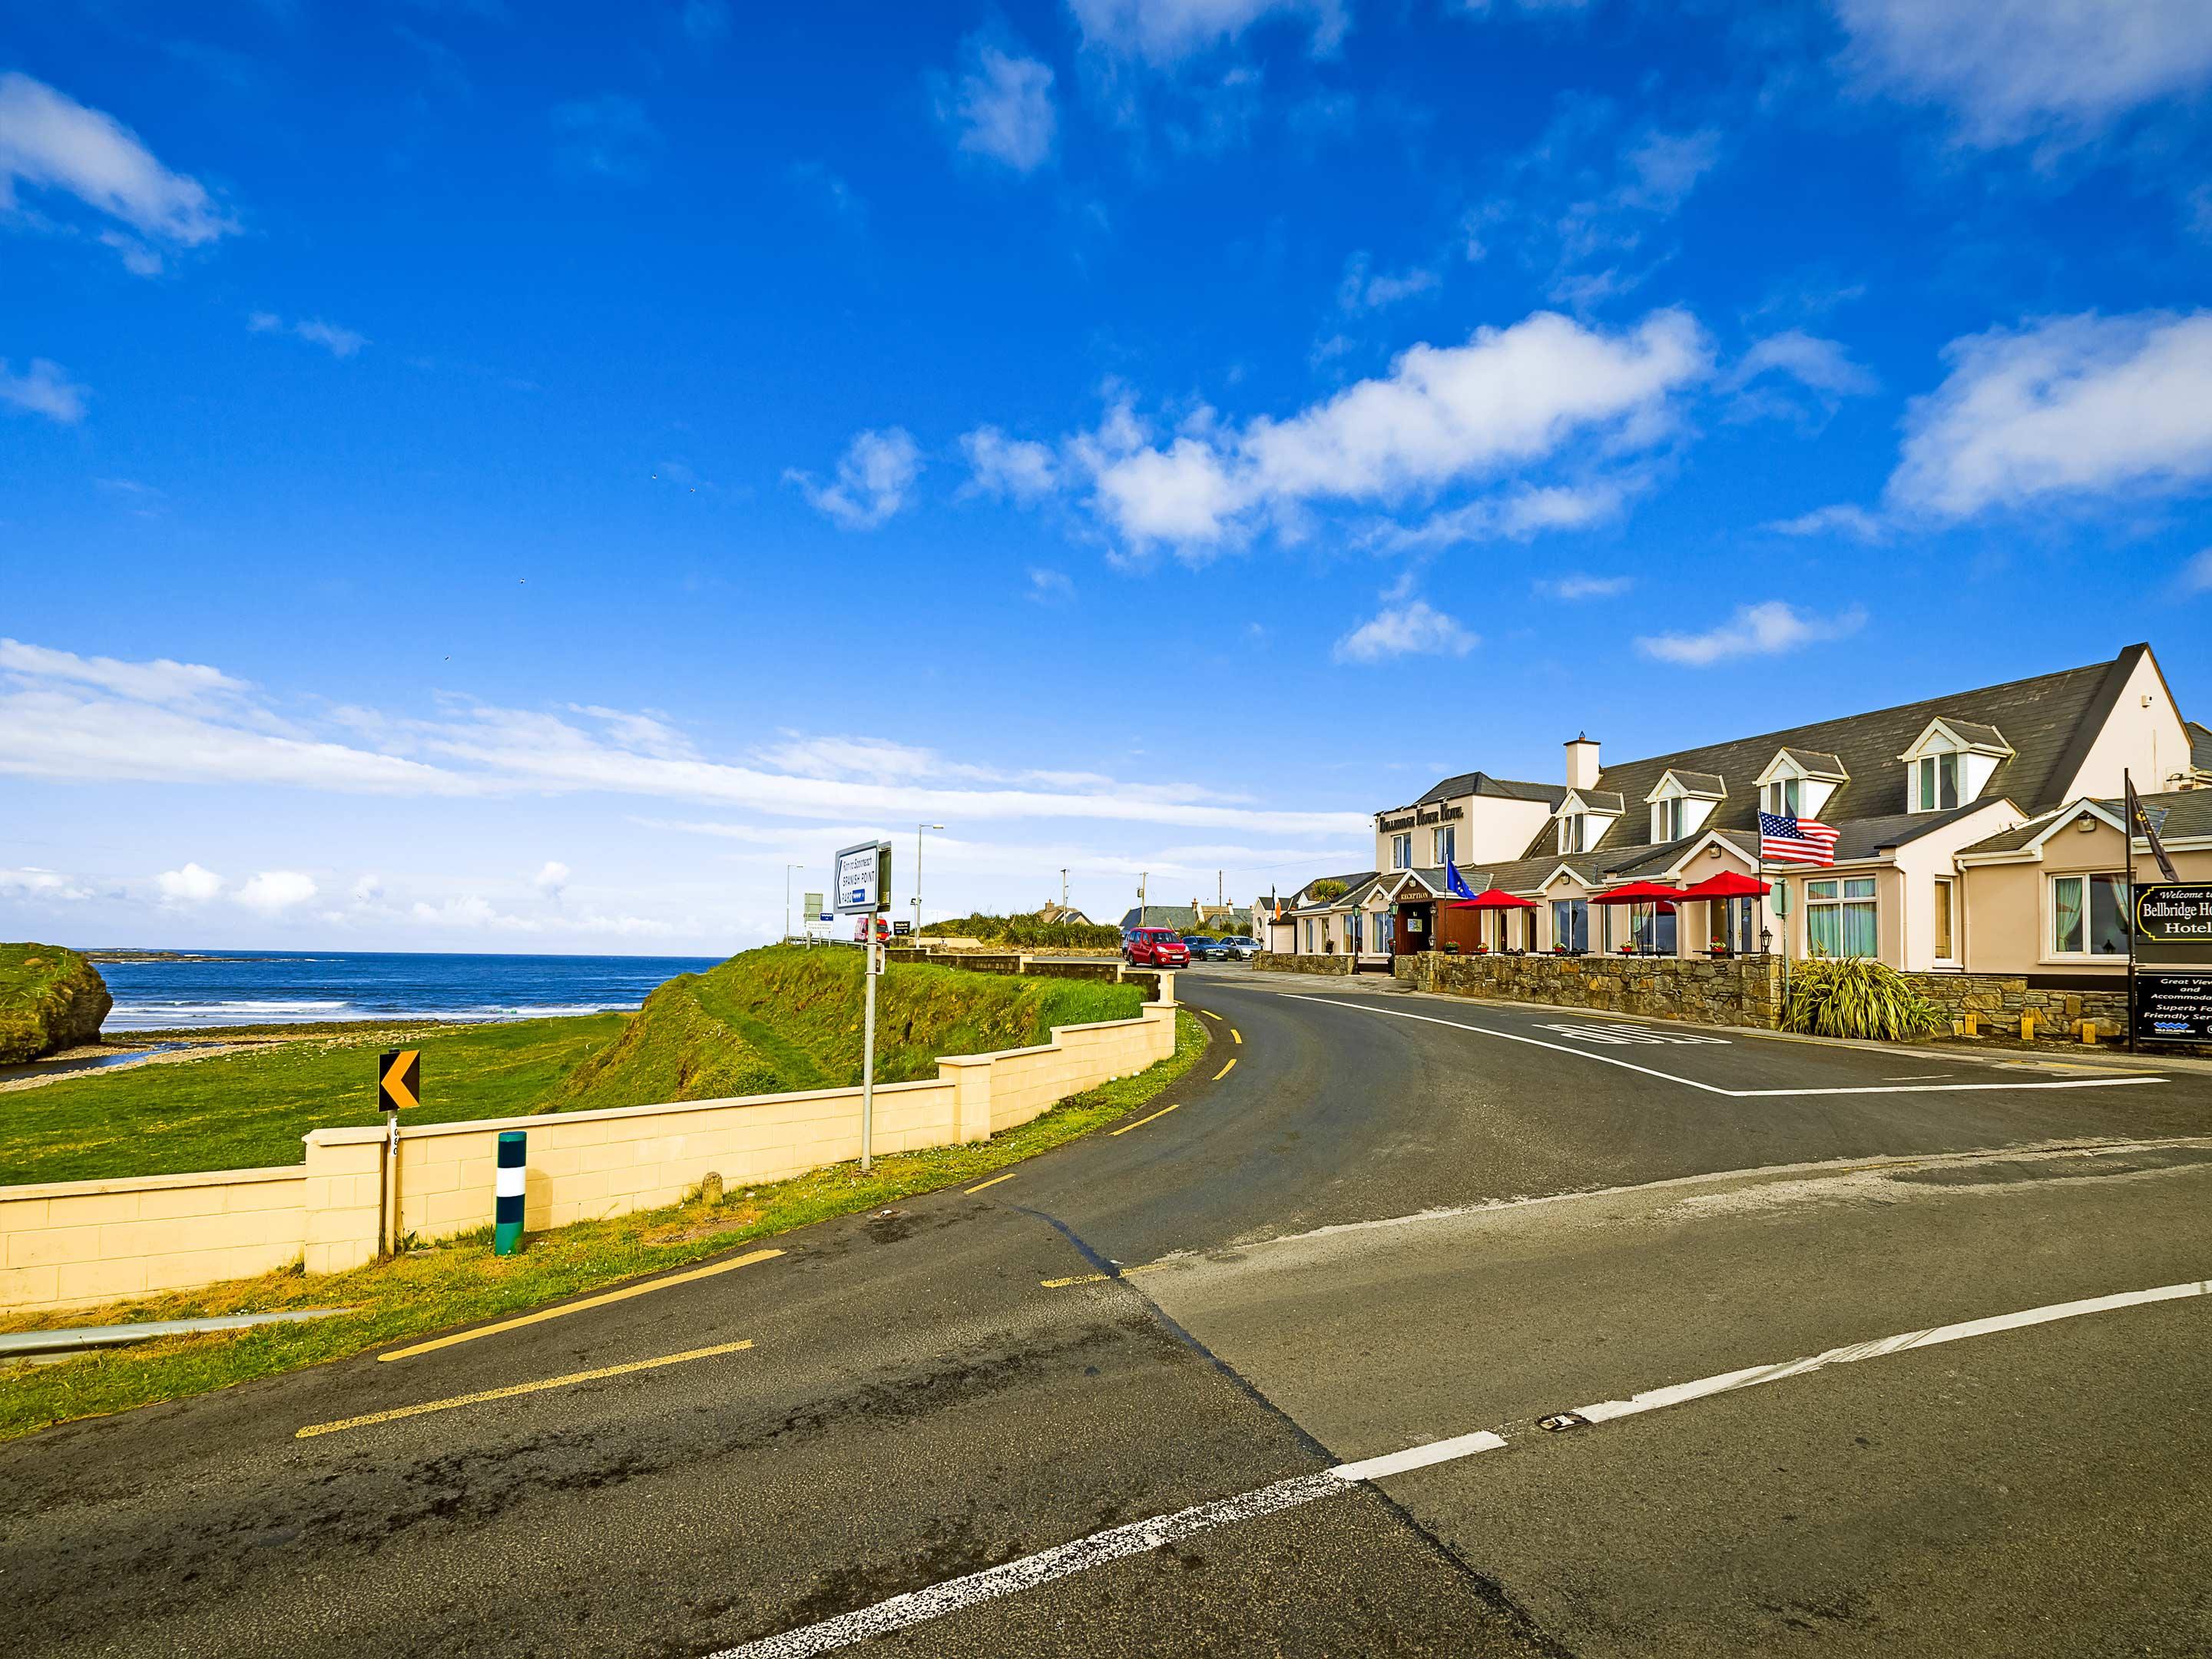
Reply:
x=864, y=887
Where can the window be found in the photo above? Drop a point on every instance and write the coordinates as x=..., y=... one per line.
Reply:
x=1842, y=923
x=1570, y=923
x=1573, y=834
x=1939, y=782
x=1670, y=819
x=1309, y=936
x=2089, y=915
x=1782, y=796
x=1654, y=929
x=1353, y=933
x=1727, y=925
x=1942, y=929
x=1402, y=851
x=1445, y=846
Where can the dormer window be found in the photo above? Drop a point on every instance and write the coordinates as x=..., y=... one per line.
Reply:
x=1784, y=796
x=1798, y=783
x=1584, y=817
x=1681, y=802
x=1949, y=763
x=1574, y=833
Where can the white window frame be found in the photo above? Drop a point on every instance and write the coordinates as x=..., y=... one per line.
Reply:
x=1573, y=832
x=1670, y=818
x=1785, y=797
x=1401, y=850
x=2051, y=952
x=1838, y=899
x=1927, y=768
x=1444, y=844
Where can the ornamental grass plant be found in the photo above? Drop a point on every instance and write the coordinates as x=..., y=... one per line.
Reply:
x=1857, y=997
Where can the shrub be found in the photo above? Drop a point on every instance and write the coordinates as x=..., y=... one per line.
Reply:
x=1327, y=890
x=1857, y=997
x=1028, y=932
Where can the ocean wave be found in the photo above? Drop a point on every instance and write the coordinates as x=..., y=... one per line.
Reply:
x=274, y=1005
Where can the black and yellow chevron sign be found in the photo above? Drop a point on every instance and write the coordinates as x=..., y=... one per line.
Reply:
x=400, y=1080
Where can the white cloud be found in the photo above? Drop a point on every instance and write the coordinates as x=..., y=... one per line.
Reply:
x=1824, y=365
x=1755, y=630
x=338, y=341
x=43, y=390
x=1664, y=167
x=368, y=889
x=1443, y=415
x=1019, y=469
x=190, y=885
x=162, y=681
x=1050, y=587
x=274, y=891
x=1365, y=290
x=551, y=878
x=2016, y=69
x=1165, y=32
x=1842, y=519
x=1407, y=627
x=50, y=141
x=57, y=727
x=873, y=477
x=2072, y=406
x=1580, y=586
x=1001, y=108
x=1516, y=515
x=33, y=883
x=608, y=136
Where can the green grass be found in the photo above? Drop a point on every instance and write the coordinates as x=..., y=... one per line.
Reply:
x=789, y=1018
x=461, y=1281
x=1028, y=932
x=38, y=984
x=249, y=1109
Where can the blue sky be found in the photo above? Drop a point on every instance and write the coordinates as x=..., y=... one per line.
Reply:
x=479, y=477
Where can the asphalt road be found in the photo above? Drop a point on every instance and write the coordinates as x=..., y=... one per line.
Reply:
x=1396, y=1221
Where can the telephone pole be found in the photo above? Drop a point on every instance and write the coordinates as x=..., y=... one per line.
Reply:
x=1063, y=887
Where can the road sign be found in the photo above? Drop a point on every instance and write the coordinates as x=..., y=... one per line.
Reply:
x=400, y=1080
x=864, y=878
x=813, y=907
x=2172, y=989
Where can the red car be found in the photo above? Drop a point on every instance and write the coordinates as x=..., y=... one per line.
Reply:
x=1156, y=947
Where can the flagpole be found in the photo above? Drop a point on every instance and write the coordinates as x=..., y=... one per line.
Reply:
x=2131, y=808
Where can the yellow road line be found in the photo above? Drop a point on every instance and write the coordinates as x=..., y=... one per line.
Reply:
x=993, y=1180
x=1141, y=1121
x=1238, y=1035
x=509, y=1391
x=1209, y=1014
x=623, y=1295
x=1100, y=1279
x=1225, y=1071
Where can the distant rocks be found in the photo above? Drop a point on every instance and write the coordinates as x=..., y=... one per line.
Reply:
x=49, y=1000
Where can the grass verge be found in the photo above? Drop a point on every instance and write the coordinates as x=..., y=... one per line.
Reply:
x=460, y=1281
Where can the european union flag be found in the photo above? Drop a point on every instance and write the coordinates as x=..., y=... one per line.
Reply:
x=1453, y=883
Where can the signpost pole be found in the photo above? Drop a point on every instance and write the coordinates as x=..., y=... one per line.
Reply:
x=2128, y=795
x=868, y=1055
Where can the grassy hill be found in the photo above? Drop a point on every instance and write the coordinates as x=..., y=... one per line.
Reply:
x=1028, y=932
x=49, y=999
x=787, y=1017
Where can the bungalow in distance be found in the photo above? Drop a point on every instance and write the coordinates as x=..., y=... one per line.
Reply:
x=1977, y=831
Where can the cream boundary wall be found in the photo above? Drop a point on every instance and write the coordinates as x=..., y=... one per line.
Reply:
x=73, y=1242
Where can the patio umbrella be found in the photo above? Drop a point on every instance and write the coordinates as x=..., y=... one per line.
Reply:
x=1641, y=892
x=1494, y=898
x=1726, y=885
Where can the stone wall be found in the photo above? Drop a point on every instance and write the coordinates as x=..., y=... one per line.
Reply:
x=1285, y=961
x=1997, y=1002
x=1747, y=991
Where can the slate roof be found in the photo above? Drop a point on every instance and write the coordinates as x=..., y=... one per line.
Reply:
x=1816, y=763
x=1481, y=783
x=2200, y=745
x=2049, y=721
x=1698, y=783
x=1862, y=838
x=2188, y=813
x=1975, y=731
x=1608, y=801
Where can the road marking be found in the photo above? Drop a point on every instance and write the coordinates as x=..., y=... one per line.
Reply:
x=993, y=1180
x=1225, y=1071
x=513, y=1390
x=1209, y=1014
x=1141, y=1121
x=1652, y=1400
x=1139, y=1537
x=1744, y=1094
x=1100, y=1279
x=1624, y=1033
x=1238, y=1035
x=1915, y=1077
x=589, y=1301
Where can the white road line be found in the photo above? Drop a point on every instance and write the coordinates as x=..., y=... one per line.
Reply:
x=1137, y=1537
x=1654, y=1399
x=1745, y=1094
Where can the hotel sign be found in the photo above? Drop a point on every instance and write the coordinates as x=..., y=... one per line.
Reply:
x=1419, y=816
x=2173, y=940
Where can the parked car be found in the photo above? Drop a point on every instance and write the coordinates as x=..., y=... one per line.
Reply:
x=1203, y=949
x=1156, y=947
x=1240, y=949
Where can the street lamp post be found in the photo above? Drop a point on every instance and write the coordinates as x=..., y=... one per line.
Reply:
x=788, y=869
x=918, y=828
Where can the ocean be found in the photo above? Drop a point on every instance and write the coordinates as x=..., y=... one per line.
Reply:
x=269, y=987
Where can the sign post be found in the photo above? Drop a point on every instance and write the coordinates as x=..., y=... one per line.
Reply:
x=2171, y=999
x=863, y=889
x=398, y=1085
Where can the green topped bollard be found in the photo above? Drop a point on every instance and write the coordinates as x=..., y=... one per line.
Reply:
x=506, y=1237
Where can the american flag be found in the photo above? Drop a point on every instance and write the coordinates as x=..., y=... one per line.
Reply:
x=1785, y=840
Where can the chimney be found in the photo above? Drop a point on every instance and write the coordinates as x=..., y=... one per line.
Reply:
x=1582, y=762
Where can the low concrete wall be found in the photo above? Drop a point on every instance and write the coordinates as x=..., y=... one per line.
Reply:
x=74, y=1242
x=89, y=1241
x=1283, y=961
x=1747, y=991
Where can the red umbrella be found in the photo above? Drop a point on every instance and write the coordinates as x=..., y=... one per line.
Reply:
x=1726, y=885
x=1638, y=892
x=1493, y=898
